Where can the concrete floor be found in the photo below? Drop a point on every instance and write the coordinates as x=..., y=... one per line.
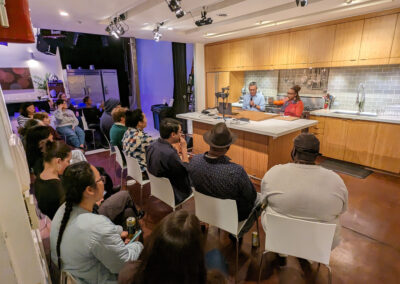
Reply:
x=370, y=247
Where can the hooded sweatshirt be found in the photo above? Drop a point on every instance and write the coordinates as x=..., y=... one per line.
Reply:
x=106, y=120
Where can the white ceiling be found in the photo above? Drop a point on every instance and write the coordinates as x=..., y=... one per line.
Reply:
x=244, y=16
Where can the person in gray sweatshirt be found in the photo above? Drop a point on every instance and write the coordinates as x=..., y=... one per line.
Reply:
x=67, y=125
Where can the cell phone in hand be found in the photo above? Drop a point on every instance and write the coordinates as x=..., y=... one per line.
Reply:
x=138, y=233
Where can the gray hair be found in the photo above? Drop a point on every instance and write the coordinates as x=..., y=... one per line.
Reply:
x=253, y=84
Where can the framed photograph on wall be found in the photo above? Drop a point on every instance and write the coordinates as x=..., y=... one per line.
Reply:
x=16, y=79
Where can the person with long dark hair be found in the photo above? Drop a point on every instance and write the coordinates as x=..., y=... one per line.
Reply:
x=174, y=253
x=34, y=156
x=26, y=112
x=88, y=246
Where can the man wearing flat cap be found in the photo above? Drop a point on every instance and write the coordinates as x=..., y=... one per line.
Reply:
x=213, y=174
x=303, y=189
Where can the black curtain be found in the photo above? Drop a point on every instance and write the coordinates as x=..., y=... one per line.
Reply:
x=179, y=61
x=109, y=53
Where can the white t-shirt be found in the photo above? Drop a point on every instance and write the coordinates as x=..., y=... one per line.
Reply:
x=308, y=192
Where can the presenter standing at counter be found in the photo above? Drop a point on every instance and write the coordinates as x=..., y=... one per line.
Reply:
x=254, y=100
x=292, y=105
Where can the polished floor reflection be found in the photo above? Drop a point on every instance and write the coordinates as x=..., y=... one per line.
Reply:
x=370, y=247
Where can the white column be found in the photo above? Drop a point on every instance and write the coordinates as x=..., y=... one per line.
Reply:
x=199, y=77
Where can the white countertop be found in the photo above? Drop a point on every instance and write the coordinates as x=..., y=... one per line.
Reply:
x=331, y=113
x=270, y=127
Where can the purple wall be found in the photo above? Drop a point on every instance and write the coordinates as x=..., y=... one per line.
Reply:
x=156, y=75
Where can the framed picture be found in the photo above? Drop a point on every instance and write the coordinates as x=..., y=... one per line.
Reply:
x=15, y=79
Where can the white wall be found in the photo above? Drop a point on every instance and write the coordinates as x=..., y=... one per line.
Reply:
x=18, y=55
x=199, y=77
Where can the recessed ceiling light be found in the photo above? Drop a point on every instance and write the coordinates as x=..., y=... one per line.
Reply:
x=64, y=14
x=222, y=15
x=170, y=29
x=348, y=1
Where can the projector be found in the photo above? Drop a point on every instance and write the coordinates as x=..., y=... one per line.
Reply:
x=302, y=3
x=204, y=22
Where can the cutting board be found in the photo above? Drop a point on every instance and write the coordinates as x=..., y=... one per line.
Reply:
x=252, y=115
x=287, y=118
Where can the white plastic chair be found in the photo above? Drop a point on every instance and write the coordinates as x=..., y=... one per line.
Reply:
x=221, y=213
x=299, y=238
x=86, y=128
x=135, y=172
x=161, y=188
x=67, y=278
x=119, y=160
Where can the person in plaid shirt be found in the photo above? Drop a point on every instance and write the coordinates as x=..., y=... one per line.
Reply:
x=135, y=140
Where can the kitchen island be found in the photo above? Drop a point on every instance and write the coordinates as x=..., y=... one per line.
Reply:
x=260, y=144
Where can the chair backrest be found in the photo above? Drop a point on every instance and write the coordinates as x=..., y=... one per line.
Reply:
x=221, y=213
x=67, y=278
x=300, y=238
x=118, y=157
x=134, y=170
x=84, y=122
x=161, y=188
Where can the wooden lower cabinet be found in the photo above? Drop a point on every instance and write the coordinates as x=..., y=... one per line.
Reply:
x=371, y=144
x=334, y=141
x=360, y=141
x=387, y=151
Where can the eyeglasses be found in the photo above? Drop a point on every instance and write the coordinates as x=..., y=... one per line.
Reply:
x=101, y=179
x=291, y=93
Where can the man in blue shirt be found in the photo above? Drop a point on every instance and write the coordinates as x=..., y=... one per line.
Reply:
x=255, y=100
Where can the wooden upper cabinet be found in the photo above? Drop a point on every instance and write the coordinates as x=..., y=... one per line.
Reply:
x=377, y=40
x=298, y=49
x=217, y=57
x=360, y=142
x=241, y=54
x=334, y=142
x=209, y=61
x=321, y=46
x=346, y=49
x=386, y=150
x=261, y=52
x=278, y=50
x=395, y=55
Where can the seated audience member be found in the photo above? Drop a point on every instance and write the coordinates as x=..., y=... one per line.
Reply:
x=70, y=102
x=22, y=131
x=303, y=189
x=26, y=112
x=45, y=119
x=174, y=253
x=92, y=114
x=135, y=140
x=118, y=129
x=163, y=160
x=50, y=195
x=67, y=125
x=88, y=246
x=213, y=174
x=33, y=138
x=106, y=119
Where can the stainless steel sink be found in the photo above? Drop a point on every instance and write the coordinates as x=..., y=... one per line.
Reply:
x=353, y=112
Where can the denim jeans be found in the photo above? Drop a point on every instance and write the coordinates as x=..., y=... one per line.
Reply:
x=75, y=137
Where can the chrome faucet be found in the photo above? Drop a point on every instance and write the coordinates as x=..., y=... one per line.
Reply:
x=360, y=101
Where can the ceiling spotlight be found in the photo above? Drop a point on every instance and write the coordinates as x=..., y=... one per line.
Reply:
x=204, y=20
x=64, y=14
x=156, y=32
x=117, y=26
x=175, y=6
x=302, y=3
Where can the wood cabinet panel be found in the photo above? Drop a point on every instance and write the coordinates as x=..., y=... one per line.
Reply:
x=335, y=133
x=347, y=43
x=377, y=38
x=255, y=159
x=396, y=42
x=279, y=47
x=386, y=150
x=262, y=52
x=321, y=46
x=241, y=54
x=360, y=142
x=298, y=49
x=215, y=81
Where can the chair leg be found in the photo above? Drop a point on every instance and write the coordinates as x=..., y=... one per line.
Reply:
x=94, y=141
x=237, y=259
x=141, y=193
x=329, y=274
x=260, y=267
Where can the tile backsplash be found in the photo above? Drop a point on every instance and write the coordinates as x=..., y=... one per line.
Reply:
x=267, y=81
x=382, y=84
